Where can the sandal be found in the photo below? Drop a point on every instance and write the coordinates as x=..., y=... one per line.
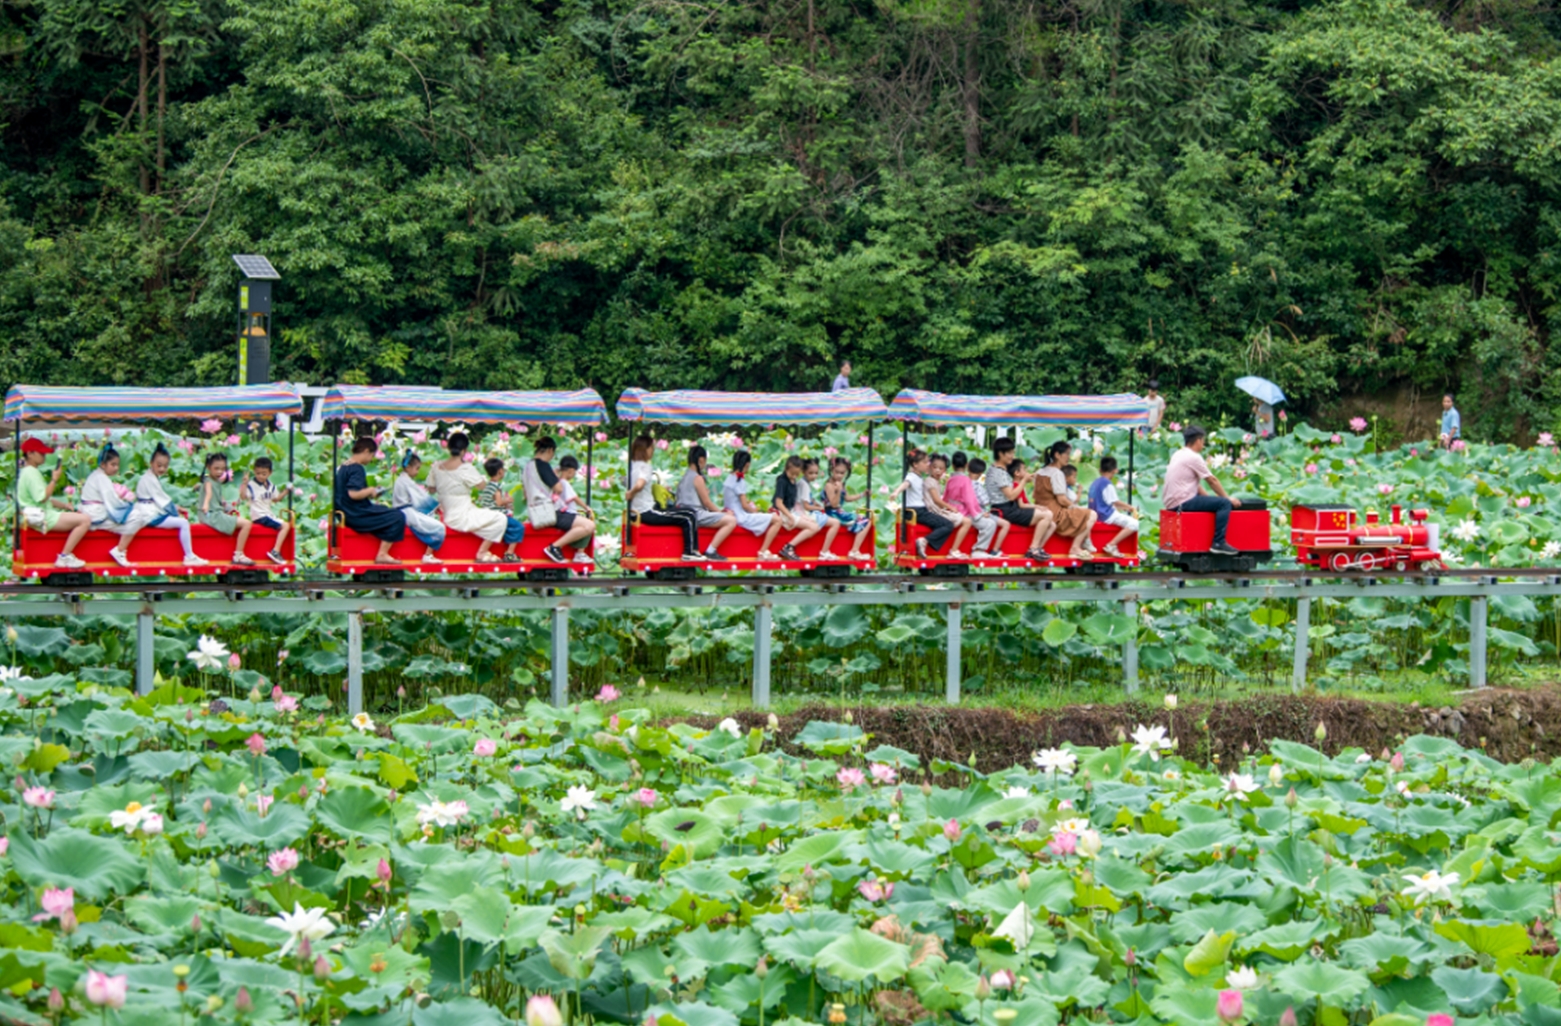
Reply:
x=239, y=559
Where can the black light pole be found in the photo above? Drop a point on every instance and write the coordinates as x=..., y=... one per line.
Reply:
x=254, y=318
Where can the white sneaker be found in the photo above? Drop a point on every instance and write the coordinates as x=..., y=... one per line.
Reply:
x=429, y=557
x=582, y=556
x=123, y=559
x=69, y=561
x=980, y=554
x=195, y=561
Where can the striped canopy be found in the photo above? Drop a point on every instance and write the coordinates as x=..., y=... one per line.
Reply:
x=42, y=402
x=687, y=407
x=1083, y=411
x=368, y=403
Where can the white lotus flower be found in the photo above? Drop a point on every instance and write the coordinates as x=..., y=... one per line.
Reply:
x=1275, y=774
x=1239, y=785
x=363, y=722
x=129, y=818
x=12, y=673
x=1362, y=757
x=209, y=654
x=1466, y=531
x=301, y=924
x=579, y=799
x=1018, y=926
x=1429, y=885
x=1150, y=741
x=1551, y=550
x=730, y=726
x=1076, y=825
x=1056, y=760
x=1017, y=792
x=1242, y=978
x=441, y=814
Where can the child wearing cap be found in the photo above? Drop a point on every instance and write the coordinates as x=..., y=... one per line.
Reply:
x=41, y=511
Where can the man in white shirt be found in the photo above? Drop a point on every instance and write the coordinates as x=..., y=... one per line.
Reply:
x=1156, y=404
x=1183, y=492
x=843, y=379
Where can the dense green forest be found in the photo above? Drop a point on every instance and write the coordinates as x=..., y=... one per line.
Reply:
x=981, y=195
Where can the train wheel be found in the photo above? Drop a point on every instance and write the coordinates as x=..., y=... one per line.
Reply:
x=1339, y=561
x=1401, y=565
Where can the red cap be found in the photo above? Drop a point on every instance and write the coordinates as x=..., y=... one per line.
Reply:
x=33, y=445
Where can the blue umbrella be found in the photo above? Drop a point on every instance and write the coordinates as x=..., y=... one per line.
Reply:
x=1261, y=389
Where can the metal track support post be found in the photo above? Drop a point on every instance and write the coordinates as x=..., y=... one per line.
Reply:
x=763, y=629
x=146, y=653
x=1130, y=648
x=1303, y=622
x=559, y=695
x=952, y=690
x=1478, y=607
x=354, y=663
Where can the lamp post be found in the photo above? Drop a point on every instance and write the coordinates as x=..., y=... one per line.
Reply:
x=254, y=318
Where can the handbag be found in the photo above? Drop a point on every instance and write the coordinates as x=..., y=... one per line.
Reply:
x=543, y=513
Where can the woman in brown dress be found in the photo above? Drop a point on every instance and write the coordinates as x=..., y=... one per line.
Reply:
x=1051, y=493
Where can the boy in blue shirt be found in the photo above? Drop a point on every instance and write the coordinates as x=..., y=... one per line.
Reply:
x=1108, y=508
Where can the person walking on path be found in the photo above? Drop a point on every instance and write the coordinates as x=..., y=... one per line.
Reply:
x=1452, y=423
x=843, y=379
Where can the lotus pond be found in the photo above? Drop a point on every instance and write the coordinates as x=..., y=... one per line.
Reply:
x=202, y=859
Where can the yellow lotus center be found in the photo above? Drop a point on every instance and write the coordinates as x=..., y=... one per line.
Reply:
x=133, y=807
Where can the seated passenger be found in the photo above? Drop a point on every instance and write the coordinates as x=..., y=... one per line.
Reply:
x=809, y=506
x=1005, y=488
x=155, y=507
x=453, y=480
x=540, y=482
x=260, y=493
x=565, y=498
x=785, y=504
x=1051, y=493
x=642, y=501
x=217, y=513
x=410, y=497
x=41, y=511
x=353, y=494
x=112, y=508
x=734, y=498
x=1183, y=492
x=492, y=494
x=693, y=496
x=1109, y=508
x=835, y=498
x=937, y=469
x=915, y=509
x=961, y=493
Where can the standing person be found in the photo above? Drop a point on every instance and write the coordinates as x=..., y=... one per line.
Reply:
x=1183, y=489
x=1109, y=509
x=219, y=514
x=1452, y=423
x=693, y=496
x=1262, y=418
x=413, y=501
x=642, y=502
x=1051, y=493
x=155, y=507
x=843, y=379
x=260, y=493
x=1156, y=404
x=540, y=482
x=734, y=497
x=1006, y=494
x=960, y=494
x=353, y=501
x=453, y=480
x=112, y=508
x=41, y=511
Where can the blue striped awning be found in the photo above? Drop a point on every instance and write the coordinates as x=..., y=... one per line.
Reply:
x=368, y=403
x=689, y=407
x=1083, y=411
x=44, y=402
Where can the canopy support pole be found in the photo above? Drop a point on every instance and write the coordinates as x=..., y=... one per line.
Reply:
x=146, y=650
x=951, y=688
x=869, y=493
x=292, y=438
x=1132, y=434
x=334, y=427
x=1303, y=623
x=589, y=444
x=763, y=623
x=16, y=540
x=1478, y=606
x=354, y=663
x=1130, y=648
x=559, y=693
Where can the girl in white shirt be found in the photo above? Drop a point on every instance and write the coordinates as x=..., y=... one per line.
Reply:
x=158, y=510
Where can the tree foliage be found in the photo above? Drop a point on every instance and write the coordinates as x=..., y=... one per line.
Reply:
x=980, y=195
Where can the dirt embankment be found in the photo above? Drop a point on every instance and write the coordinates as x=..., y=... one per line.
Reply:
x=1507, y=725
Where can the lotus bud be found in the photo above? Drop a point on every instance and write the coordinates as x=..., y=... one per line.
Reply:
x=401, y=692
x=848, y=717
x=243, y=791
x=983, y=989
x=529, y=830
x=1287, y=1017
x=189, y=716
x=763, y=968
x=68, y=922
x=1121, y=736
x=56, y=1001
x=305, y=951
x=926, y=789
x=200, y=832
x=1088, y=844
x=213, y=1004
x=212, y=869
x=254, y=694
x=243, y=1004
x=897, y=798
x=10, y=635
x=382, y=872
x=1291, y=801
x=773, y=722
x=206, y=806
x=1321, y=733
x=1275, y=774
x=1170, y=703
x=1024, y=880
x=1130, y=959
x=322, y=969
x=195, y=924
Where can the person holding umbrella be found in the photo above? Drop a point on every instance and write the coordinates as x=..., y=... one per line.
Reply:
x=1265, y=396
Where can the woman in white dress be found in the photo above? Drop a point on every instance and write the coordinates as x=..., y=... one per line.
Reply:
x=413, y=500
x=734, y=496
x=111, y=508
x=453, y=480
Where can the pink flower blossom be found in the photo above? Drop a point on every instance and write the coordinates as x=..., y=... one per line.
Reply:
x=55, y=903
x=830, y=450
x=542, y=1011
x=661, y=444
x=1524, y=501
x=1240, y=473
x=882, y=773
x=107, y=991
x=211, y=426
x=282, y=862
x=600, y=436
x=1335, y=439
x=263, y=803
x=504, y=437
x=1002, y=980
x=951, y=830
x=851, y=777
x=256, y=743
x=1228, y=1006
x=382, y=872
x=185, y=444
x=1349, y=462
x=5, y=845
x=233, y=440
x=485, y=748
x=38, y=798
x=647, y=796
x=1397, y=762
x=419, y=437
x=1283, y=415
x=608, y=694
x=1414, y=452
x=1545, y=440
x=70, y=489
x=234, y=662
x=875, y=891
x=1385, y=488
x=1439, y=1019
x=1311, y=468
x=285, y=704
x=1066, y=803
x=1173, y=426
x=1063, y=844
x=1357, y=424
x=281, y=656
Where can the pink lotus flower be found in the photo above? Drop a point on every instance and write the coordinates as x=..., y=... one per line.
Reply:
x=600, y=436
x=1357, y=424
x=951, y=830
x=55, y=903
x=1524, y=501
x=382, y=872
x=107, y=991
x=233, y=440
x=263, y=803
x=285, y=704
x=882, y=773
x=661, y=444
x=281, y=655
x=541, y=1011
x=1385, y=488
x=647, y=796
x=70, y=489
x=1414, y=452
x=185, y=444
x=1002, y=980
x=419, y=437
x=1173, y=426
x=5, y=846
x=1240, y=473
x=608, y=694
x=1311, y=468
x=38, y=798
x=1063, y=844
x=211, y=426
x=1335, y=439
x=234, y=662
x=485, y=748
x=282, y=862
x=1397, y=762
x=830, y=450
x=861, y=439
x=1228, y=1006
x=1283, y=415
x=1439, y=1019
x=1458, y=445
x=256, y=743
x=875, y=891
x=1545, y=440
x=504, y=437
x=851, y=777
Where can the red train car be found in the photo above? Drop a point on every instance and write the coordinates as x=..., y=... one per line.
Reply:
x=155, y=552
x=657, y=551
x=352, y=554
x=1011, y=556
x=1185, y=539
x=1329, y=537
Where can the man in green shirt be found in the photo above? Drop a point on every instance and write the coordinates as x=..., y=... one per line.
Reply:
x=41, y=511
